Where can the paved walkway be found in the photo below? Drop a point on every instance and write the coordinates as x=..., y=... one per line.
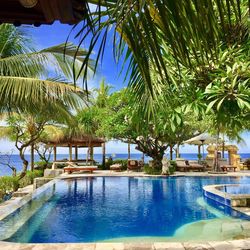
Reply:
x=225, y=245
x=137, y=174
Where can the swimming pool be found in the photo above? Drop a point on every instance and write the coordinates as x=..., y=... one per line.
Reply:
x=116, y=208
x=235, y=189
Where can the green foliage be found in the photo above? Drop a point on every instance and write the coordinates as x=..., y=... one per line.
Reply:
x=28, y=179
x=146, y=32
x=152, y=171
x=172, y=167
x=25, y=74
x=41, y=165
x=123, y=162
x=8, y=184
x=199, y=156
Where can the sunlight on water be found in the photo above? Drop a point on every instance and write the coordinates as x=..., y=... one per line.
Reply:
x=120, y=208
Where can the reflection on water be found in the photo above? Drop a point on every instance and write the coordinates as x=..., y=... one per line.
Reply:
x=104, y=208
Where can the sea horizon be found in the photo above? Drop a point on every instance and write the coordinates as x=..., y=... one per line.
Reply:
x=16, y=161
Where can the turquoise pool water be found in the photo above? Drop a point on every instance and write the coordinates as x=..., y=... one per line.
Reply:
x=107, y=208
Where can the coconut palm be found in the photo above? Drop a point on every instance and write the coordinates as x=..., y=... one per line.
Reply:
x=190, y=31
x=102, y=93
x=25, y=74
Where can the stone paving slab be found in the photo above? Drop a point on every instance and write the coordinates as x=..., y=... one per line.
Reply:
x=168, y=246
x=221, y=245
x=211, y=245
x=197, y=246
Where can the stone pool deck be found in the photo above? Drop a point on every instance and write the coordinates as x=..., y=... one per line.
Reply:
x=225, y=245
x=204, y=245
x=141, y=174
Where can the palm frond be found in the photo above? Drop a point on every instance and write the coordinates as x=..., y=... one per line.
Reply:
x=191, y=30
x=58, y=59
x=22, y=93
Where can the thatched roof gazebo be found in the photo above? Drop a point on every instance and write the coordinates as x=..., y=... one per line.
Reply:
x=39, y=12
x=76, y=142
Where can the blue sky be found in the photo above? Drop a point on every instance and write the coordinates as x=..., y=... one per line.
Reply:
x=49, y=35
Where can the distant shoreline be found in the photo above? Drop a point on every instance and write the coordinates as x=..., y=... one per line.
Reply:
x=98, y=157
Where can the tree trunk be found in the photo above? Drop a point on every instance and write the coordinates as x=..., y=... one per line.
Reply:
x=25, y=163
x=216, y=162
x=32, y=157
x=128, y=150
x=157, y=162
x=54, y=148
x=171, y=152
x=153, y=149
x=13, y=171
x=178, y=150
x=223, y=146
x=103, y=154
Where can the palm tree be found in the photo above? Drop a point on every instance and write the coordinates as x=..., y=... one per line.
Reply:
x=146, y=32
x=103, y=93
x=25, y=74
x=25, y=86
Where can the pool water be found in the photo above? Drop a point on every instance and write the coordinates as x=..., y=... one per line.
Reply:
x=105, y=208
x=239, y=189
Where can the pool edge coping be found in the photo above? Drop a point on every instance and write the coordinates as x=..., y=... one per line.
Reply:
x=10, y=206
x=211, y=245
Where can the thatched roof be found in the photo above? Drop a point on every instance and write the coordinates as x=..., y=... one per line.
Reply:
x=39, y=12
x=80, y=141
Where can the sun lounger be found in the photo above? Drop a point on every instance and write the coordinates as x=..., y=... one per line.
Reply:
x=73, y=168
x=226, y=168
x=196, y=166
x=116, y=167
x=181, y=165
x=186, y=166
x=133, y=165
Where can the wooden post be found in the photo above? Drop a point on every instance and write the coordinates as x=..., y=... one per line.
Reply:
x=32, y=158
x=128, y=150
x=76, y=152
x=54, y=152
x=103, y=154
x=70, y=152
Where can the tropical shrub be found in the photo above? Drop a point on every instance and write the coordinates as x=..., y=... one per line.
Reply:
x=8, y=185
x=172, y=167
x=28, y=179
x=150, y=170
x=41, y=165
x=124, y=163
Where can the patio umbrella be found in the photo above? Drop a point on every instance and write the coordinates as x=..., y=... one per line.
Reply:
x=201, y=140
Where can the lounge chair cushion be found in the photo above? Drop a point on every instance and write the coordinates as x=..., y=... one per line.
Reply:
x=132, y=163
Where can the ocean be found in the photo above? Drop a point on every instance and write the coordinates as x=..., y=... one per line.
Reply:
x=15, y=160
